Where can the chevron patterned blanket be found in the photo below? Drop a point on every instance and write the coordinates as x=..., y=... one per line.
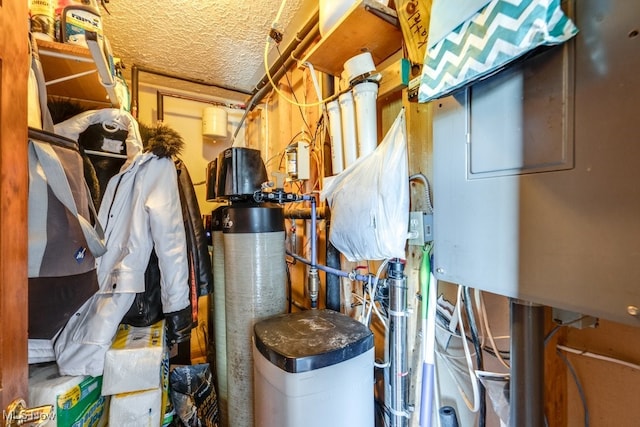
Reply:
x=499, y=33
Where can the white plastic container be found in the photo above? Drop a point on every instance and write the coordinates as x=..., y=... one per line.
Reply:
x=348, y=115
x=331, y=11
x=214, y=122
x=335, y=129
x=313, y=369
x=365, y=95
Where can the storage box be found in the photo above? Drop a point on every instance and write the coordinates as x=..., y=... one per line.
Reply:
x=134, y=361
x=314, y=356
x=76, y=400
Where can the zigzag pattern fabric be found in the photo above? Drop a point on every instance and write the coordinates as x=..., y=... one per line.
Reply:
x=498, y=34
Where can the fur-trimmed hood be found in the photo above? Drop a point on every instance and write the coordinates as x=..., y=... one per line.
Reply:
x=161, y=140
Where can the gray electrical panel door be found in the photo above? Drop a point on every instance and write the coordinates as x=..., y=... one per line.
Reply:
x=537, y=172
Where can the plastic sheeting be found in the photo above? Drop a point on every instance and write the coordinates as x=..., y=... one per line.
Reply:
x=369, y=201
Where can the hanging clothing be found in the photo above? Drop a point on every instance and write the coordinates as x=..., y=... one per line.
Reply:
x=140, y=210
x=196, y=235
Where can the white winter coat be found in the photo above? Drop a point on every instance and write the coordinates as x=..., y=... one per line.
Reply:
x=139, y=210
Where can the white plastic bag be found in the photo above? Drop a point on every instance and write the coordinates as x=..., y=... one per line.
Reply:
x=369, y=201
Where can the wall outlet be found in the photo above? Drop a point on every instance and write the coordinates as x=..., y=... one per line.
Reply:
x=420, y=228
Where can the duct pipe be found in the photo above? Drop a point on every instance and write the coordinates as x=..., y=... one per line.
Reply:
x=257, y=97
x=526, y=387
x=160, y=102
x=135, y=81
x=284, y=56
x=291, y=60
x=134, y=91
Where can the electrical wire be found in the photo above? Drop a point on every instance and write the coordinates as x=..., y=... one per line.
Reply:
x=547, y=339
x=563, y=348
x=475, y=405
x=280, y=10
x=282, y=94
x=268, y=73
x=487, y=350
x=425, y=180
x=578, y=386
x=598, y=356
x=490, y=336
x=293, y=93
x=473, y=329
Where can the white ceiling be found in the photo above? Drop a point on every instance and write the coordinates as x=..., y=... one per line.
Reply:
x=220, y=42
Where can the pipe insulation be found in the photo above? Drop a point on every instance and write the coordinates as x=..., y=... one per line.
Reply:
x=255, y=289
x=219, y=315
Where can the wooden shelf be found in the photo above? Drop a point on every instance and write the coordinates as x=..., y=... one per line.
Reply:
x=359, y=30
x=77, y=73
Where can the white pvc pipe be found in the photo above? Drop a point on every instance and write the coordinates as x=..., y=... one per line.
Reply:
x=335, y=129
x=347, y=110
x=365, y=95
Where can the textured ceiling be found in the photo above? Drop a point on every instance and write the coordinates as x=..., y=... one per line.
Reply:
x=220, y=42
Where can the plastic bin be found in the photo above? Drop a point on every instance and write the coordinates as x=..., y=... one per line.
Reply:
x=313, y=369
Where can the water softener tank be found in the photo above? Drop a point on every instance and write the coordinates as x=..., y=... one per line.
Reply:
x=219, y=312
x=314, y=369
x=255, y=289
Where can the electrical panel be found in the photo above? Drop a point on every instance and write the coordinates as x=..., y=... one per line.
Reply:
x=536, y=173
